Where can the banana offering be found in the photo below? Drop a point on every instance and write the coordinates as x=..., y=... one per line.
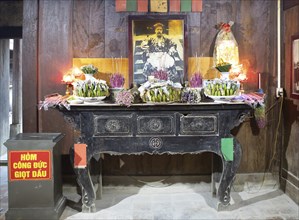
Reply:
x=220, y=87
x=160, y=92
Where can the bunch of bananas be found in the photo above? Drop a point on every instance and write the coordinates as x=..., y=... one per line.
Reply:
x=94, y=88
x=221, y=87
x=162, y=94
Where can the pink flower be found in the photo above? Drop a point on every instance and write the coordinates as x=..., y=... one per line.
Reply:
x=124, y=98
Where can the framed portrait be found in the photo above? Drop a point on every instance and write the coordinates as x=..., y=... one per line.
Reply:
x=295, y=67
x=157, y=47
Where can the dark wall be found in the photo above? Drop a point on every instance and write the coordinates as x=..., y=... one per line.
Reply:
x=11, y=19
x=290, y=150
x=56, y=31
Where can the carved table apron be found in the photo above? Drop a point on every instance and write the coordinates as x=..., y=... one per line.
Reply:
x=155, y=129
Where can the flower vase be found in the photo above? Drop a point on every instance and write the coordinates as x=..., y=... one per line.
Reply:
x=114, y=92
x=225, y=75
x=88, y=76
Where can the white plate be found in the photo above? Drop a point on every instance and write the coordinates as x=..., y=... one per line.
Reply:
x=92, y=99
x=222, y=98
x=75, y=101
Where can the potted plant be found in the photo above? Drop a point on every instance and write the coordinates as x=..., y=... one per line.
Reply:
x=192, y=93
x=89, y=70
x=117, y=82
x=224, y=68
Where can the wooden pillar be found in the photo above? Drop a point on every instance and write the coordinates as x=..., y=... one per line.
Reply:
x=29, y=68
x=16, y=125
x=4, y=94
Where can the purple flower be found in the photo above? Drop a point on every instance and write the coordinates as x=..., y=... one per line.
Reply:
x=196, y=80
x=161, y=75
x=117, y=80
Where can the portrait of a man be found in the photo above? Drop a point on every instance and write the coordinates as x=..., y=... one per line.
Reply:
x=158, y=46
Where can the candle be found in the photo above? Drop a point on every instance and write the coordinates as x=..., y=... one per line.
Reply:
x=259, y=80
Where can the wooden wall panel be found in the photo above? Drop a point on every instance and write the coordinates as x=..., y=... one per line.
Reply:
x=96, y=40
x=7, y=9
x=116, y=32
x=75, y=28
x=207, y=32
x=253, y=34
x=54, y=59
x=193, y=28
x=80, y=28
x=89, y=28
x=290, y=152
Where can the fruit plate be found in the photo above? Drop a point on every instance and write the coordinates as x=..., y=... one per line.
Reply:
x=160, y=103
x=222, y=98
x=75, y=101
x=92, y=99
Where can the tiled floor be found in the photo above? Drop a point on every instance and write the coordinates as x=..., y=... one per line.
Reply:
x=157, y=200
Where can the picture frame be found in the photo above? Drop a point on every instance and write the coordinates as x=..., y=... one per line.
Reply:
x=295, y=66
x=157, y=44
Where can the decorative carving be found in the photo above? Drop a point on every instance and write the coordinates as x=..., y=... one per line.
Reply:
x=112, y=125
x=72, y=119
x=199, y=124
x=240, y=118
x=155, y=143
x=155, y=124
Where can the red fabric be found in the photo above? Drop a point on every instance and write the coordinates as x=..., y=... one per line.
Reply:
x=174, y=5
x=120, y=5
x=80, y=156
x=196, y=5
x=142, y=5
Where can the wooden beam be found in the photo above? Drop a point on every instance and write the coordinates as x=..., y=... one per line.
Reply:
x=10, y=32
x=29, y=67
x=289, y=4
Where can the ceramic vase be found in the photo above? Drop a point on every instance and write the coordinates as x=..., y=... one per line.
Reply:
x=114, y=92
x=88, y=76
x=225, y=75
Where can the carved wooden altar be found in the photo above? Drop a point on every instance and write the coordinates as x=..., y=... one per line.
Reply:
x=156, y=129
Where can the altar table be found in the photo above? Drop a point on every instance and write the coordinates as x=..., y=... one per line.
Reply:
x=175, y=128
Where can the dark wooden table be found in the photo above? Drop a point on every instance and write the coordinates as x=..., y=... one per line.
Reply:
x=156, y=129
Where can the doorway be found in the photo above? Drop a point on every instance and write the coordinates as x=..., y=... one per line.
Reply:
x=11, y=92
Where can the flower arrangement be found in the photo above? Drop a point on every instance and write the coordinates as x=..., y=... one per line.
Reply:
x=89, y=69
x=91, y=88
x=191, y=95
x=160, y=74
x=124, y=97
x=117, y=80
x=195, y=80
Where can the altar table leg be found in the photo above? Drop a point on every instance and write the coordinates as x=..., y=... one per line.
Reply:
x=87, y=188
x=228, y=175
